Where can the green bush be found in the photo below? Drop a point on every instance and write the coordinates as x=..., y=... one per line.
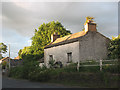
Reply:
x=68, y=74
x=40, y=75
x=24, y=70
x=90, y=69
x=72, y=67
x=114, y=48
x=16, y=72
x=52, y=63
x=112, y=69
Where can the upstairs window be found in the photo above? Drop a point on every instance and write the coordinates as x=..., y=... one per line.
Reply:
x=69, y=55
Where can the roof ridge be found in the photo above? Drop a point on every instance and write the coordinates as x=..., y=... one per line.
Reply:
x=67, y=38
x=70, y=34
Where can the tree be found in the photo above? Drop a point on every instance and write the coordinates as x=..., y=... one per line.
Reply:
x=41, y=38
x=25, y=53
x=3, y=48
x=114, y=48
x=20, y=52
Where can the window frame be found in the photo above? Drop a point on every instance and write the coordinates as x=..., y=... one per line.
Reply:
x=69, y=57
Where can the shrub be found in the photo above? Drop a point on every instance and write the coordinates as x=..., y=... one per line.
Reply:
x=40, y=75
x=65, y=74
x=90, y=69
x=72, y=67
x=23, y=71
x=114, y=48
x=112, y=69
x=52, y=63
x=16, y=72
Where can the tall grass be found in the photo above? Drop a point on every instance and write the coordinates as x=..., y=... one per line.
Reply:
x=68, y=74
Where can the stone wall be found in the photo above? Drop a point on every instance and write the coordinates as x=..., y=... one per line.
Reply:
x=93, y=46
x=60, y=53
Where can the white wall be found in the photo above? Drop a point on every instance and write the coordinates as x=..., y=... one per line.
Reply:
x=60, y=52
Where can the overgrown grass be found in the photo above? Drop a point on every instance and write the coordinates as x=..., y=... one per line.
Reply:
x=85, y=77
x=89, y=62
x=16, y=72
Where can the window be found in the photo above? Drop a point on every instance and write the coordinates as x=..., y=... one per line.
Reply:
x=69, y=57
x=50, y=57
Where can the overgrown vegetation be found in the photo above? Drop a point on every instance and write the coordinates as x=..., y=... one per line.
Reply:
x=24, y=70
x=69, y=75
x=114, y=48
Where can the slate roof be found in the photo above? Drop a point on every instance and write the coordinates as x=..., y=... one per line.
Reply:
x=66, y=39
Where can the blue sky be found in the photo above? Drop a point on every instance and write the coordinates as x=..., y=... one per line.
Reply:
x=20, y=19
x=16, y=41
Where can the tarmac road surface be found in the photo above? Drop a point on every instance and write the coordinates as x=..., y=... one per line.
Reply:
x=15, y=83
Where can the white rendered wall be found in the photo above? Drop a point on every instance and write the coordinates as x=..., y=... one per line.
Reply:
x=60, y=53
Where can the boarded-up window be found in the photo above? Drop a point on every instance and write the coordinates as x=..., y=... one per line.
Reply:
x=50, y=57
x=69, y=57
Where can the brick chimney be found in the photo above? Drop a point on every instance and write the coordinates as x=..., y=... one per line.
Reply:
x=54, y=36
x=90, y=26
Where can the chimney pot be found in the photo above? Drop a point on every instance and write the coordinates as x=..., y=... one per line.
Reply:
x=90, y=26
x=54, y=36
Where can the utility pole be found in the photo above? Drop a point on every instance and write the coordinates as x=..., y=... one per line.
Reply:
x=9, y=56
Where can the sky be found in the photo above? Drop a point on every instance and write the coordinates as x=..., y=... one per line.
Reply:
x=20, y=19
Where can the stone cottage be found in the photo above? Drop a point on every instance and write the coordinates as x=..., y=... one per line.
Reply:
x=85, y=45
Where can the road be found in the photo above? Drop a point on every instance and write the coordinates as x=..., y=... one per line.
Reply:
x=15, y=83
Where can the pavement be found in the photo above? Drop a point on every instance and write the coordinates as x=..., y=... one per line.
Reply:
x=16, y=83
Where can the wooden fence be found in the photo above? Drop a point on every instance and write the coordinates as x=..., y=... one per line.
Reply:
x=100, y=63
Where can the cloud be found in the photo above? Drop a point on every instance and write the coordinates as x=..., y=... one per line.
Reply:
x=24, y=17
x=19, y=19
